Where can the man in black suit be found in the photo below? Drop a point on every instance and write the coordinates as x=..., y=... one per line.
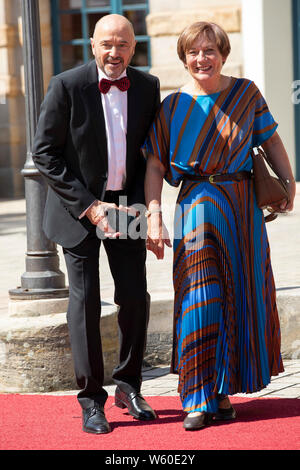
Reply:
x=93, y=122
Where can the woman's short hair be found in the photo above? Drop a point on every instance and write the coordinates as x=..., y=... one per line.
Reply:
x=210, y=31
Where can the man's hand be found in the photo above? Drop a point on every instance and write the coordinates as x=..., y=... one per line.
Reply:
x=97, y=213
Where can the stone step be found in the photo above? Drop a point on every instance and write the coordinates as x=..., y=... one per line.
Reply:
x=35, y=353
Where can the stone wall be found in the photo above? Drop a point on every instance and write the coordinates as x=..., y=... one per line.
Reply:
x=35, y=354
x=166, y=21
x=160, y=330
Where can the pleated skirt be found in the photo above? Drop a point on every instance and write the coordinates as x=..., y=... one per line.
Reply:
x=226, y=325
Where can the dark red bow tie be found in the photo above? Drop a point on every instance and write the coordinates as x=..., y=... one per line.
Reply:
x=123, y=84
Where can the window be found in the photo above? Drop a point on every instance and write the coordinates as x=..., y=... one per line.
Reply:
x=73, y=23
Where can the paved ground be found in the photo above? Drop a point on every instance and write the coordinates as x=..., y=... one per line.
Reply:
x=158, y=381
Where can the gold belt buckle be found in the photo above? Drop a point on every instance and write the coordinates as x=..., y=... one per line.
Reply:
x=211, y=177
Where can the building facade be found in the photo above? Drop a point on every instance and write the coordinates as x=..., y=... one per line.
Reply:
x=264, y=35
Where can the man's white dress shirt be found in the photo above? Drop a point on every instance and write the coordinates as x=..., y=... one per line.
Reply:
x=114, y=104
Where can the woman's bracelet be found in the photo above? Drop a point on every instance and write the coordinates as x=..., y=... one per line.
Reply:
x=153, y=211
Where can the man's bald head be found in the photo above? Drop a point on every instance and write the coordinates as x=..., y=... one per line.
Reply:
x=113, y=44
x=111, y=22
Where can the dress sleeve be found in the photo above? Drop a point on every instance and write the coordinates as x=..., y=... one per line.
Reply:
x=264, y=124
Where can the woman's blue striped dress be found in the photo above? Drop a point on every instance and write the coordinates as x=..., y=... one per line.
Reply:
x=226, y=326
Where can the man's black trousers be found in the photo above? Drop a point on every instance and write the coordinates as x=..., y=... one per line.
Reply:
x=127, y=264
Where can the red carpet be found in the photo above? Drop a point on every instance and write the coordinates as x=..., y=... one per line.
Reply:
x=34, y=422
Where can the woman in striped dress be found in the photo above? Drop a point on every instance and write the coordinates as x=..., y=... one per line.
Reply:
x=226, y=326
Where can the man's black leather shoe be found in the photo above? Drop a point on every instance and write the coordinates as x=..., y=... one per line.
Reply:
x=136, y=405
x=94, y=421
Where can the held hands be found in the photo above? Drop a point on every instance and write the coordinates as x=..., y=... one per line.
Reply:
x=98, y=215
x=157, y=235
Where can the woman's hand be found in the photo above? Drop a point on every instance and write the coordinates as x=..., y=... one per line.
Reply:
x=287, y=206
x=157, y=235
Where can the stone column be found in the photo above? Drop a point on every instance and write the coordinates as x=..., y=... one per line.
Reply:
x=42, y=279
x=46, y=41
x=12, y=115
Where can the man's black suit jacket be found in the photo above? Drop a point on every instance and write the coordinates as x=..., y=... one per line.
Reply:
x=70, y=147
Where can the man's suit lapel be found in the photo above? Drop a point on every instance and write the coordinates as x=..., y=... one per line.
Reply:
x=94, y=102
x=132, y=112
